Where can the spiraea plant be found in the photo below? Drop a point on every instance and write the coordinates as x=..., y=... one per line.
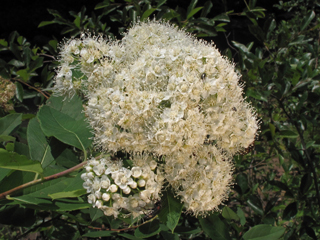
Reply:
x=171, y=102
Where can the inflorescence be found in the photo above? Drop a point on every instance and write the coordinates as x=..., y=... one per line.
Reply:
x=158, y=93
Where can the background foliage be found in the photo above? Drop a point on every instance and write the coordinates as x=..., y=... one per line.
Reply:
x=276, y=192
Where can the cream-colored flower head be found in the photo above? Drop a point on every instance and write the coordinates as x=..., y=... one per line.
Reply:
x=114, y=188
x=161, y=92
x=171, y=93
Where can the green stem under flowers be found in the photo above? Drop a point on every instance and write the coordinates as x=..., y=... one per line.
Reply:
x=54, y=176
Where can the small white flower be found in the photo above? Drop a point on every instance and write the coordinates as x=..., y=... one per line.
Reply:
x=136, y=172
x=113, y=188
x=133, y=185
x=123, y=179
x=106, y=197
x=105, y=182
x=141, y=183
x=153, y=164
x=99, y=169
x=92, y=199
x=99, y=203
x=126, y=190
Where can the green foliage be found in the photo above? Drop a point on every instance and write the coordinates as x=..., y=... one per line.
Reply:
x=282, y=80
x=276, y=192
x=128, y=12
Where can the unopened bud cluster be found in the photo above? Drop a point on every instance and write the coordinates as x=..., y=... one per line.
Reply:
x=114, y=188
x=161, y=92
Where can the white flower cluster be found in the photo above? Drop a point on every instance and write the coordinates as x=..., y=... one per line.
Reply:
x=162, y=92
x=112, y=187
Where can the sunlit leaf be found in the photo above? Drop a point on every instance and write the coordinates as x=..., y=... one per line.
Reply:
x=65, y=128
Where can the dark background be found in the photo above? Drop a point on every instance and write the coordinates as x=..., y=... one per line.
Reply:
x=24, y=16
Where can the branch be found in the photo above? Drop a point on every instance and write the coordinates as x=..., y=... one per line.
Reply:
x=38, y=90
x=54, y=176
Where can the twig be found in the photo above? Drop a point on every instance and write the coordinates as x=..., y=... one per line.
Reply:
x=38, y=90
x=47, y=55
x=54, y=176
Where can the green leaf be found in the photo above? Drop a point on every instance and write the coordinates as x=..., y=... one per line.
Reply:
x=67, y=159
x=206, y=8
x=269, y=26
x=128, y=236
x=37, y=63
x=65, y=128
x=16, y=63
x=288, y=134
x=193, y=12
x=23, y=74
x=98, y=234
x=39, y=148
x=242, y=181
x=229, y=214
x=9, y=123
x=21, y=149
x=95, y=213
x=72, y=107
x=77, y=22
x=5, y=138
x=35, y=194
x=257, y=32
x=306, y=182
x=255, y=204
x=29, y=200
x=242, y=216
x=171, y=210
x=290, y=211
x=67, y=205
x=264, y=232
x=187, y=230
x=222, y=17
x=306, y=20
x=300, y=40
x=19, y=91
x=71, y=194
x=169, y=236
x=3, y=42
x=214, y=227
x=256, y=94
x=45, y=23
x=147, y=13
x=3, y=173
x=148, y=230
x=191, y=6
x=12, y=160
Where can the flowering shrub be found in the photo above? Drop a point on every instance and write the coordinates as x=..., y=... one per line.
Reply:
x=46, y=140
x=162, y=92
